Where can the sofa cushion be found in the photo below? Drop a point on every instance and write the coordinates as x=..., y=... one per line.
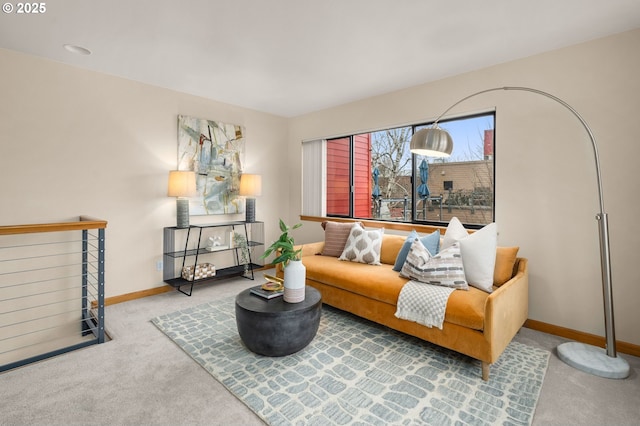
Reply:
x=431, y=242
x=391, y=244
x=383, y=284
x=445, y=268
x=505, y=262
x=379, y=283
x=363, y=245
x=466, y=308
x=455, y=232
x=335, y=237
x=478, y=252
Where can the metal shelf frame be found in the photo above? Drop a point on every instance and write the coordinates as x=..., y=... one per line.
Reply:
x=195, y=233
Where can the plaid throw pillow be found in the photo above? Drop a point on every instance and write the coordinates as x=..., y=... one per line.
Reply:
x=443, y=269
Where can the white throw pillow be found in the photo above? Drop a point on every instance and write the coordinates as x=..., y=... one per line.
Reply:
x=454, y=233
x=444, y=269
x=363, y=245
x=478, y=252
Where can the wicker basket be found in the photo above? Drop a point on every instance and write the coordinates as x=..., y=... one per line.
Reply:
x=203, y=270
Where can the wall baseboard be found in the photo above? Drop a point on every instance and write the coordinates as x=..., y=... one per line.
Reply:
x=153, y=291
x=137, y=295
x=579, y=336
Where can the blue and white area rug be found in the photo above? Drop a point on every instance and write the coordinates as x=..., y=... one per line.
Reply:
x=358, y=372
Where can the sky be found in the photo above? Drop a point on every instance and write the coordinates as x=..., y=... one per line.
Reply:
x=468, y=140
x=468, y=137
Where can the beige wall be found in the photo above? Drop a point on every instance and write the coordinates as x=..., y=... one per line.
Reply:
x=535, y=140
x=78, y=142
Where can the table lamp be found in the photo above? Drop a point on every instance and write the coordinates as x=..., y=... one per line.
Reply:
x=182, y=184
x=250, y=187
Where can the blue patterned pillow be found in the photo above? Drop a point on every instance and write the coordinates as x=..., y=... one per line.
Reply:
x=431, y=243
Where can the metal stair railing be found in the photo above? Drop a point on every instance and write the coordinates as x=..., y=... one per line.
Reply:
x=51, y=289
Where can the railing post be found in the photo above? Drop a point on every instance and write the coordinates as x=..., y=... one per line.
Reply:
x=472, y=204
x=86, y=306
x=404, y=208
x=101, y=285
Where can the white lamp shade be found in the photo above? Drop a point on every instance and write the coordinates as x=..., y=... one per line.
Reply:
x=182, y=183
x=250, y=185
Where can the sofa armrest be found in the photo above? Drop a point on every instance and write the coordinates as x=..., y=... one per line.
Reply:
x=506, y=310
x=311, y=249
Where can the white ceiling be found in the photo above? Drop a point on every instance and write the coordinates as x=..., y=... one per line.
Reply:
x=291, y=57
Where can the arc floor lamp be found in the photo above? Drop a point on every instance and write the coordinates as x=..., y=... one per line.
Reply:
x=436, y=142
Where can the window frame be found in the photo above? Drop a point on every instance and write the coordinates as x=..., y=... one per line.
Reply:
x=414, y=176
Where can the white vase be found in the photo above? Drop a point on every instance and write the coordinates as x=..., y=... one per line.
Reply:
x=294, y=281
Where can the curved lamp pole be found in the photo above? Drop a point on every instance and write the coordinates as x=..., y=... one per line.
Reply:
x=435, y=141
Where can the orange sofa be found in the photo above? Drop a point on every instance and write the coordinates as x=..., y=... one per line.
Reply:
x=477, y=324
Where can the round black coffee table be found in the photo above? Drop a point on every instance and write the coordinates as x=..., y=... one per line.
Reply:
x=274, y=327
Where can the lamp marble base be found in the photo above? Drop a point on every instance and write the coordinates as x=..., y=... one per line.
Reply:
x=593, y=360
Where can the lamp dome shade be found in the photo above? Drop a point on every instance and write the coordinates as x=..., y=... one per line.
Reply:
x=432, y=142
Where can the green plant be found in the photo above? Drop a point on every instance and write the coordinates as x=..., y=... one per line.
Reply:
x=240, y=242
x=284, y=246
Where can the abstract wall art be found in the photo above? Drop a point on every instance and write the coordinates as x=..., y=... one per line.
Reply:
x=215, y=152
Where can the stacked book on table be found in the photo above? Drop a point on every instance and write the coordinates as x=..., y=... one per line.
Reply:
x=272, y=288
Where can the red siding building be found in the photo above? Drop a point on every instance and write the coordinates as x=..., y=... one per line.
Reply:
x=338, y=179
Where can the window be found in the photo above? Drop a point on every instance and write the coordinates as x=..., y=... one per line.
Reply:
x=374, y=175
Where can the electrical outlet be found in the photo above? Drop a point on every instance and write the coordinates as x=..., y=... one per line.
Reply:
x=159, y=265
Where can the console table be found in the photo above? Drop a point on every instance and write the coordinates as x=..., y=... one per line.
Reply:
x=238, y=252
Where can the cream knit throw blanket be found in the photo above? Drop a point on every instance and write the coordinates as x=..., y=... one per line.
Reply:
x=423, y=303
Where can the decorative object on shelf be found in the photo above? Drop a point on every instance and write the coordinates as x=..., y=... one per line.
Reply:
x=182, y=184
x=434, y=141
x=214, y=151
x=289, y=257
x=240, y=242
x=250, y=187
x=214, y=244
x=210, y=242
x=202, y=270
